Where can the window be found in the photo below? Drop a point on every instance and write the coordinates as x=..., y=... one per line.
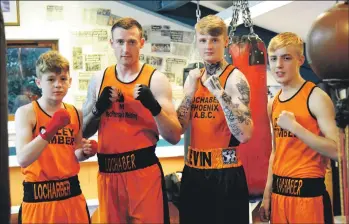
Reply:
x=20, y=68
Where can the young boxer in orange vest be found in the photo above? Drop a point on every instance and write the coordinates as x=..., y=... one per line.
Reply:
x=49, y=146
x=304, y=135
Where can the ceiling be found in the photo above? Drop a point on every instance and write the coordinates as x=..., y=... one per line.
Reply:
x=284, y=16
x=275, y=16
x=219, y=6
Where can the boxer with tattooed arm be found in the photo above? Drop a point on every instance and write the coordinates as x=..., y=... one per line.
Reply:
x=216, y=104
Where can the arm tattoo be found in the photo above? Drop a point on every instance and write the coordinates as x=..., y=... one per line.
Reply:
x=234, y=115
x=244, y=90
x=212, y=69
x=214, y=83
x=183, y=111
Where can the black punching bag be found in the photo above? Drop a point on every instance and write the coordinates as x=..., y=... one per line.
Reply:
x=4, y=177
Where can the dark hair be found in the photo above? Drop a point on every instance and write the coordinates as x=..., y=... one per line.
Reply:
x=127, y=23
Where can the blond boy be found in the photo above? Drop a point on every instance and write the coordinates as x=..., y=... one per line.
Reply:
x=304, y=135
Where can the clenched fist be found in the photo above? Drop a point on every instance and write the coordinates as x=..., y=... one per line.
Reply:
x=192, y=81
x=287, y=121
x=89, y=147
x=213, y=85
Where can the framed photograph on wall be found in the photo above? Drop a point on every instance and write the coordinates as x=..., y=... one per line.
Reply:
x=10, y=11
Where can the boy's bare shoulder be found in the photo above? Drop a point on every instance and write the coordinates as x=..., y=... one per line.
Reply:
x=26, y=112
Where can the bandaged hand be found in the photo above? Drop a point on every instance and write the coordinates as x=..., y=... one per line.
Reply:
x=213, y=85
x=144, y=94
x=60, y=119
x=104, y=101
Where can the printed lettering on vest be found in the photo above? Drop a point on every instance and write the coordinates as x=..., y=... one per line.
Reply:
x=203, y=107
x=281, y=133
x=64, y=136
x=122, y=112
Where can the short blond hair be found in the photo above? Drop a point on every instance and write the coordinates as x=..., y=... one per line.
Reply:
x=212, y=25
x=51, y=61
x=286, y=39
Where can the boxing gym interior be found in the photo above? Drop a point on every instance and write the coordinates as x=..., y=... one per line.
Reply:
x=80, y=30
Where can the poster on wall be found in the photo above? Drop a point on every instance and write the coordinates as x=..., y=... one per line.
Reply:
x=157, y=34
x=112, y=19
x=83, y=79
x=89, y=16
x=93, y=62
x=160, y=48
x=181, y=49
x=103, y=16
x=154, y=61
x=175, y=66
x=182, y=36
x=54, y=12
x=77, y=58
x=79, y=101
x=10, y=12
x=89, y=37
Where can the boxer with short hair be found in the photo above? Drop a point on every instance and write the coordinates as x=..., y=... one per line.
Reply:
x=49, y=146
x=130, y=104
x=304, y=136
x=217, y=106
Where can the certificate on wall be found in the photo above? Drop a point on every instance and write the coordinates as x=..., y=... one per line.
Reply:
x=77, y=58
x=93, y=62
x=157, y=34
x=54, y=12
x=84, y=79
x=79, y=101
x=10, y=12
x=175, y=66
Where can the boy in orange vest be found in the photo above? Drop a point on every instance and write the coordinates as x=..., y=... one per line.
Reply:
x=49, y=146
x=305, y=138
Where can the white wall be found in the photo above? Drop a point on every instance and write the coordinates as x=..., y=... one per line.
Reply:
x=35, y=26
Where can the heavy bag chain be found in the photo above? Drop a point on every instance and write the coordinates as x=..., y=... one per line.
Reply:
x=234, y=19
x=198, y=16
x=246, y=15
x=198, y=12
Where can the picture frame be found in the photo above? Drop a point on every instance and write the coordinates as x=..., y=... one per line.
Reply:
x=10, y=11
